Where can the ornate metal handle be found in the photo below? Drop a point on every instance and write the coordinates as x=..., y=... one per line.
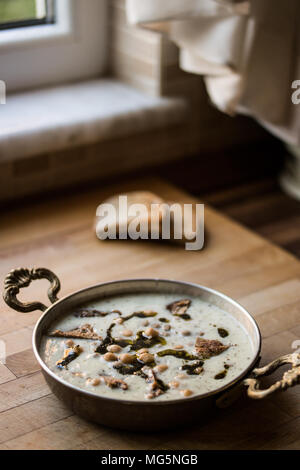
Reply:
x=20, y=278
x=289, y=379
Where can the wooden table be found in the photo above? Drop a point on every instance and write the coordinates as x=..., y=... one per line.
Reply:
x=59, y=235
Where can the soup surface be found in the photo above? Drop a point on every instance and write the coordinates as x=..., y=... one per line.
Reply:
x=147, y=347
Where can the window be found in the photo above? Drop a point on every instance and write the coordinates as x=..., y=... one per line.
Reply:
x=44, y=42
x=20, y=13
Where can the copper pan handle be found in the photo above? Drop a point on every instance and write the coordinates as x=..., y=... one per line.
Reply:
x=289, y=378
x=19, y=278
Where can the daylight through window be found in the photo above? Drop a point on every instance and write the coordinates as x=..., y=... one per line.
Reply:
x=21, y=13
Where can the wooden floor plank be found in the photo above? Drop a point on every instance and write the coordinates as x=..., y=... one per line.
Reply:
x=30, y=417
x=254, y=199
x=21, y=391
x=274, y=321
x=296, y=331
x=257, y=211
x=17, y=340
x=60, y=435
x=284, y=231
x=229, y=428
x=5, y=374
x=259, y=279
x=286, y=437
x=22, y=363
x=273, y=297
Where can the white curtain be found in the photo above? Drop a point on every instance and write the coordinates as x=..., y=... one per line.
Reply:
x=247, y=51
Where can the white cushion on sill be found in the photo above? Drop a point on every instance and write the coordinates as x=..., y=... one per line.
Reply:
x=72, y=115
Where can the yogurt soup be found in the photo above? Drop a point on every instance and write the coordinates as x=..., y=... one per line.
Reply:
x=147, y=347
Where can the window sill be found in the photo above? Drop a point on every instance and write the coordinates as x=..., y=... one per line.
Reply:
x=55, y=119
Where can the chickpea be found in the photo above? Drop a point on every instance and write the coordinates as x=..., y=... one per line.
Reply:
x=127, y=333
x=174, y=384
x=151, y=333
x=146, y=358
x=141, y=351
x=95, y=382
x=114, y=348
x=78, y=374
x=161, y=368
x=127, y=358
x=186, y=333
x=149, y=312
x=179, y=346
x=186, y=393
x=110, y=357
x=181, y=376
x=69, y=343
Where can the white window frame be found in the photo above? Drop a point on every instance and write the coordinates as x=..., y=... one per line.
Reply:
x=73, y=48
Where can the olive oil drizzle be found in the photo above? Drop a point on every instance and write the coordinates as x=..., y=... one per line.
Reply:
x=109, y=340
x=181, y=354
x=158, y=386
x=135, y=368
x=223, y=333
x=222, y=374
x=162, y=386
x=70, y=355
x=141, y=341
x=193, y=369
x=94, y=313
x=140, y=315
x=184, y=316
x=159, y=383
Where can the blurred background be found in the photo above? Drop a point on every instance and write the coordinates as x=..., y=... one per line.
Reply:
x=12, y=11
x=92, y=99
